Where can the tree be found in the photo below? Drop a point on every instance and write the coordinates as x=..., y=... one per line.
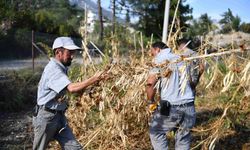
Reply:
x=226, y=21
x=200, y=27
x=18, y=18
x=227, y=17
x=151, y=14
x=245, y=27
x=56, y=17
x=15, y=14
x=100, y=19
x=236, y=23
x=113, y=16
x=127, y=18
x=229, y=22
x=205, y=24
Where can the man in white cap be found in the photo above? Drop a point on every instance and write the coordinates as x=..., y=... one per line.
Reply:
x=49, y=120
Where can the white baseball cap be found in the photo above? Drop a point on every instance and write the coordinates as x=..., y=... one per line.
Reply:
x=65, y=42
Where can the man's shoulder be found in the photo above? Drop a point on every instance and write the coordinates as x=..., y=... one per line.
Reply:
x=50, y=65
x=190, y=52
x=52, y=68
x=164, y=55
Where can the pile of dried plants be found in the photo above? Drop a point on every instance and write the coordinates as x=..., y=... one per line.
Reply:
x=113, y=114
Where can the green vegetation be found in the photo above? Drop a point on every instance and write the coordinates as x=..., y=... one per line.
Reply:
x=18, y=89
x=230, y=22
x=200, y=27
x=151, y=14
x=18, y=18
x=245, y=27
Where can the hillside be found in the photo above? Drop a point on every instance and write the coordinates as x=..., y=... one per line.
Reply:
x=237, y=38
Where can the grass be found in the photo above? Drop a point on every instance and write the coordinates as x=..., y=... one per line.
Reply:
x=18, y=89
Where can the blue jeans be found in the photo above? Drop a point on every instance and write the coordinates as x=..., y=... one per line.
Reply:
x=49, y=126
x=181, y=119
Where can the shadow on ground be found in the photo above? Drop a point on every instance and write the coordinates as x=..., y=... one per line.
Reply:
x=239, y=140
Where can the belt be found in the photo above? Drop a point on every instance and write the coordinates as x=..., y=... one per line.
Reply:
x=54, y=111
x=185, y=104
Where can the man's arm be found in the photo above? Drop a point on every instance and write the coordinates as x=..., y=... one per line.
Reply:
x=78, y=86
x=196, y=77
x=150, y=90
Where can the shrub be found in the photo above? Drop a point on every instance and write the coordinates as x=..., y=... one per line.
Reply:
x=18, y=89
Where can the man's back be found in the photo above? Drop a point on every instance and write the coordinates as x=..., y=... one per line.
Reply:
x=175, y=89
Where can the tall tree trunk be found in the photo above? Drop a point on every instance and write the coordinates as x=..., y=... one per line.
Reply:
x=113, y=17
x=100, y=19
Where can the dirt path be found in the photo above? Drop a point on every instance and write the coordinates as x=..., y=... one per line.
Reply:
x=16, y=131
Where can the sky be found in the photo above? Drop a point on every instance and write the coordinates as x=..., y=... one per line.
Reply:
x=214, y=8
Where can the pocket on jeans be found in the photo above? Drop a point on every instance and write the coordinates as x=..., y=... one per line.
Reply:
x=33, y=121
x=190, y=117
x=47, y=116
x=37, y=124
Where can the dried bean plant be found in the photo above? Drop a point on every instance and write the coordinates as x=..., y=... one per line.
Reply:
x=113, y=113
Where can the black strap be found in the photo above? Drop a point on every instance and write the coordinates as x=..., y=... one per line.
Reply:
x=160, y=86
x=54, y=111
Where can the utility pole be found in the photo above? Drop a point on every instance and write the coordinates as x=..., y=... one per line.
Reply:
x=165, y=24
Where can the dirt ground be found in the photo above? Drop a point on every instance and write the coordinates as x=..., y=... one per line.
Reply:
x=16, y=131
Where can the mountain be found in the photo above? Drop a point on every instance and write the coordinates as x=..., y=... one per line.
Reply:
x=94, y=8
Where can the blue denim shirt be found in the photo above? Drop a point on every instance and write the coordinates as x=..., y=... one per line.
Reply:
x=171, y=90
x=52, y=85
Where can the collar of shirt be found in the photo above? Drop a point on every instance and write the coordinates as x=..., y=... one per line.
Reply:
x=58, y=63
x=166, y=51
x=163, y=55
x=188, y=52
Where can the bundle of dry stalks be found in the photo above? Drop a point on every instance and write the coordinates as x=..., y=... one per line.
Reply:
x=228, y=72
x=113, y=114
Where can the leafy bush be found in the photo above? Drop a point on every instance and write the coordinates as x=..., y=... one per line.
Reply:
x=245, y=27
x=18, y=89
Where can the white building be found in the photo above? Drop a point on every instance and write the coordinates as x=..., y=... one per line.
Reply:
x=92, y=9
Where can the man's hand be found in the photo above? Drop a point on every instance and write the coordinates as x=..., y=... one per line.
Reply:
x=100, y=75
x=150, y=90
x=78, y=86
x=152, y=107
x=201, y=67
